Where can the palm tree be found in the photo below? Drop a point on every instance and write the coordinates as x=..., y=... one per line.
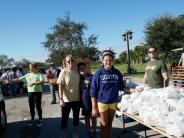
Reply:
x=140, y=53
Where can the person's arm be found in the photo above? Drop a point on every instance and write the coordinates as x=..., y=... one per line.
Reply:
x=95, y=112
x=145, y=79
x=164, y=74
x=60, y=82
x=13, y=80
x=94, y=93
x=39, y=82
x=131, y=90
x=61, y=89
x=166, y=79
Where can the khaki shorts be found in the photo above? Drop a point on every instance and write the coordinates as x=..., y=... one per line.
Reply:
x=103, y=107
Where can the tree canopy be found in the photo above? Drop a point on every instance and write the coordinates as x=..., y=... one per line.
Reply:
x=68, y=38
x=5, y=61
x=166, y=33
x=137, y=55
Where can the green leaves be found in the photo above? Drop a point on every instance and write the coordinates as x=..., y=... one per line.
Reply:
x=5, y=61
x=166, y=33
x=138, y=55
x=68, y=38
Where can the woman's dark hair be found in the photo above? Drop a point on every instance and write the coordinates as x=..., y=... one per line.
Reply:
x=108, y=53
x=81, y=64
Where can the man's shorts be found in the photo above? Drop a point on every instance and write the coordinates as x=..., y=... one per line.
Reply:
x=103, y=107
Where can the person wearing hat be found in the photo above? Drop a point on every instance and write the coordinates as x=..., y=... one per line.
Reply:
x=105, y=86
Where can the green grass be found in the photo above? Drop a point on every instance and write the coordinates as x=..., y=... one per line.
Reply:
x=123, y=69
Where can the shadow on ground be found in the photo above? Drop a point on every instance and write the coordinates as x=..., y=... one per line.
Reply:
x=51, y=129
x=137, y=131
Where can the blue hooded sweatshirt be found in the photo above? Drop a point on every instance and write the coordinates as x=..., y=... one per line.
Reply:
x=106, y=84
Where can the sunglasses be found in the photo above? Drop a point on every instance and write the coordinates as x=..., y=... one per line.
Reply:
x=70, y=61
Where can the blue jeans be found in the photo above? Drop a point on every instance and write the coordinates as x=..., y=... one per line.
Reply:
x=53, y=92
x=13, y=89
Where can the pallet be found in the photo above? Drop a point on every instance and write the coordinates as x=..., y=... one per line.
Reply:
x=178, y=73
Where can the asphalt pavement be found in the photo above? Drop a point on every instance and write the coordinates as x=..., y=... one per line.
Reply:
x=18, y=116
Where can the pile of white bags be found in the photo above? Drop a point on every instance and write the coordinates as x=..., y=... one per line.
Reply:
x=162, y=108
x=175, y=125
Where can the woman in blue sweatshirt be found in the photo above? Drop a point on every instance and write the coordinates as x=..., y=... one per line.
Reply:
x=105, y=86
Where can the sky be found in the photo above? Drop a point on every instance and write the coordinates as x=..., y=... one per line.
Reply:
x=24, y=23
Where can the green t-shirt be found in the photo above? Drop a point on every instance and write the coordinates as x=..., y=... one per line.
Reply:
x=154, y=70
x=32, y=78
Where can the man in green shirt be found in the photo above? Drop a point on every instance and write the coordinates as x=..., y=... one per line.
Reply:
x=156, y=75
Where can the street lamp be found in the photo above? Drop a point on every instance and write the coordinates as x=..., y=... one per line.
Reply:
x=126, y=37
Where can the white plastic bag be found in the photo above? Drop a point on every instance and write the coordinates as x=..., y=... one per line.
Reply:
x=175, y=129
x=180, y=105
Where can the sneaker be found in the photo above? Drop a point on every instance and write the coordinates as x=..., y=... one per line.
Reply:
x=39, y=123
x=30, y=124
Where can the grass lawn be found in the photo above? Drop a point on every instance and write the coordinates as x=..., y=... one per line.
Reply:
x=123, y=69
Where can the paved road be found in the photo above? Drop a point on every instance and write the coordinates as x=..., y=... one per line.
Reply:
x=18, y=116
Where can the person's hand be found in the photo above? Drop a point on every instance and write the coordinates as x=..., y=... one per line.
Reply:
x=61, y=103
x=6, y=81
x=95, y=112
x=139, y=89
x=31, y=84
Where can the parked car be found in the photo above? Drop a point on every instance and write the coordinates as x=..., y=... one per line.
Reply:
x=3, y=117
